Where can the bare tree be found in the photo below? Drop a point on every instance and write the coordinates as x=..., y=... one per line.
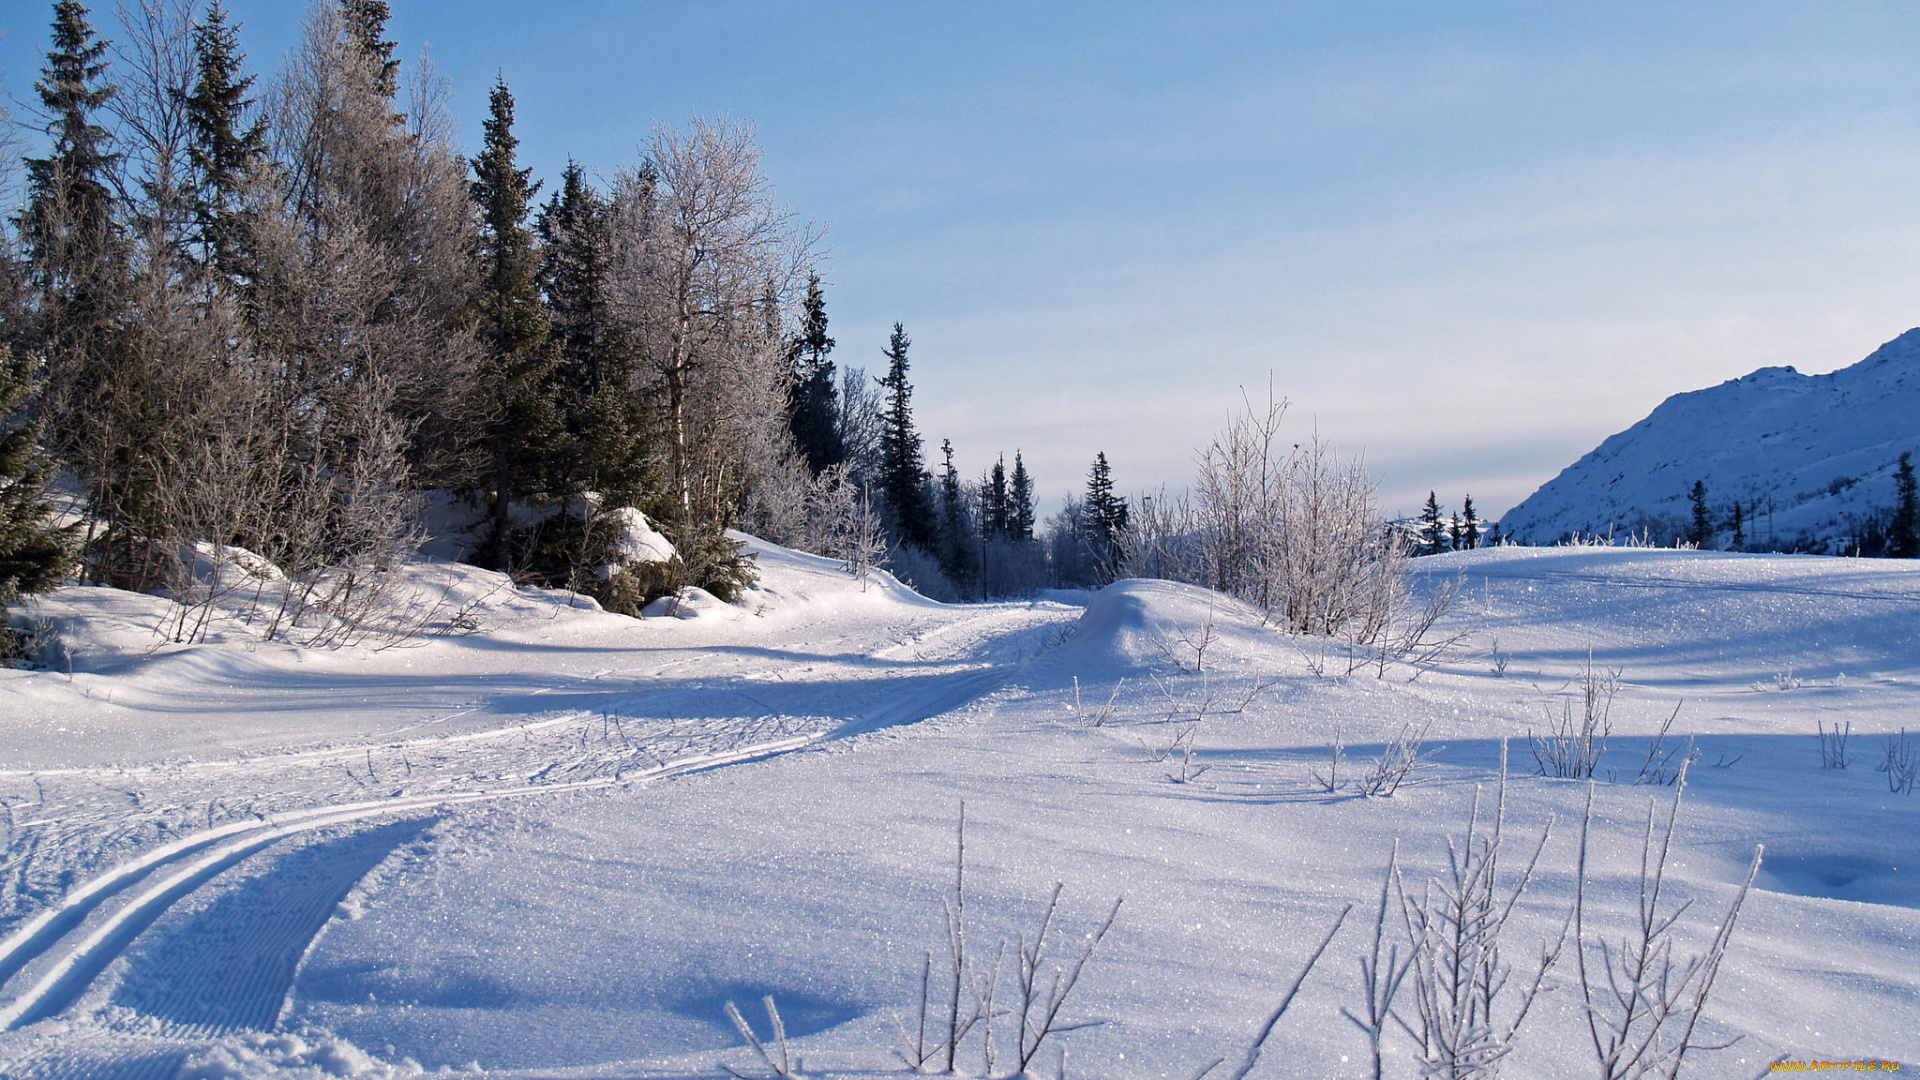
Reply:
x=840, y=521
x=1293, y=530
x=367, y=271
x=155, y=73
x=707, y=263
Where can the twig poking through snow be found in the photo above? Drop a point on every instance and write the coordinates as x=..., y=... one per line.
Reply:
x=1380, y=983
x=1900, y=764
x=782, y=1067
x=1399, y=765
x=1833, y=744
x=1658, y=769
x=1336, y=753
x=1641, y=1019
x=1101, y=715
x=1252, y=1055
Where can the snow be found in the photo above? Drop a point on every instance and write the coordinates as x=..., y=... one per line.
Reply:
x=1807, y=456
x=556, y=842
x=639, y=541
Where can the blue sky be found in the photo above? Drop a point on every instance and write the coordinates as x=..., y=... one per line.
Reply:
x=1469, y=241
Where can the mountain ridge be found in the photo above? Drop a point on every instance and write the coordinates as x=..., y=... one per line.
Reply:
x=1809, y=459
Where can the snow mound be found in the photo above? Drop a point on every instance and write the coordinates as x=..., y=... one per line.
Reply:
x=1138, y=623
x=306, y=1056
x=223, y=567
x=789, y=578
x=693, y=602
x=1806, y=456
x=84, y=628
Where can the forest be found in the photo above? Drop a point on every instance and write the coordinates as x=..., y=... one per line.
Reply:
x=284, y=326
x=290, y=316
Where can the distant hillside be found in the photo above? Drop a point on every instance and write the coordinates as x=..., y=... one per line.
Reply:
x=1810, y=459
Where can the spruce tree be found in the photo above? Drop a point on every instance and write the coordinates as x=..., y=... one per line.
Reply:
x=594, y=380
x=35, y=555
x=813, y=413
x=1105, y=518
x=1453, y=534
x=367, y=22
x=1469, y=524
x=1020, y=501
x=1739, y=526
x=517, y=366
x=70, y=204
x=226, y=147
x=1701, y=533
x=903, y=477
x=1903, y=539
x=993, y=501
x=77, y=265
x=957, y=558
x=1432, y=532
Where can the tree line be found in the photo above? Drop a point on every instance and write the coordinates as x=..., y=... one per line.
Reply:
x=1434, y=534
x=1890, y=531
x=290, y=316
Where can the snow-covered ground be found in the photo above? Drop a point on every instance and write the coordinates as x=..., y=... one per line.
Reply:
x=557, y=846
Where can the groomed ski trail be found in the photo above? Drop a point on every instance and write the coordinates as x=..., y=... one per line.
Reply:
x=70, y=960
x=49, y=963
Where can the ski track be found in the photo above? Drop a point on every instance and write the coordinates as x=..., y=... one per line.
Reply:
x=230, y=965
x=227, y=967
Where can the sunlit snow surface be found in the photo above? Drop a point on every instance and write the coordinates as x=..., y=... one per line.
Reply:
x=559, y=845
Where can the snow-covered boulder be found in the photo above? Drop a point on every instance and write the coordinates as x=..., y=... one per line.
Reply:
x=635, y=541
x=223, y=567
x=692, y=602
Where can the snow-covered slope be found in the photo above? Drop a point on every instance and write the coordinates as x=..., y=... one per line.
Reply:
x=1808, y=457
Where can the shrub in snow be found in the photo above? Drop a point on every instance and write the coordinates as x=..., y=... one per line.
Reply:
x=840, y=521
x=1294, y=532
x=1399, y=765
x=1465, y=1021
x=1041, y=985
x=921, y=572
x=1572, y=747
x=1900, y=764
x=1833, y=744
x=1643, y=1002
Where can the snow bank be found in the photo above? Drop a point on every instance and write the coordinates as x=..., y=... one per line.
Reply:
x=693, y=602
x=598, y=932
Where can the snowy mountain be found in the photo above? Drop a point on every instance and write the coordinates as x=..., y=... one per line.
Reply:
x=1809, y=458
